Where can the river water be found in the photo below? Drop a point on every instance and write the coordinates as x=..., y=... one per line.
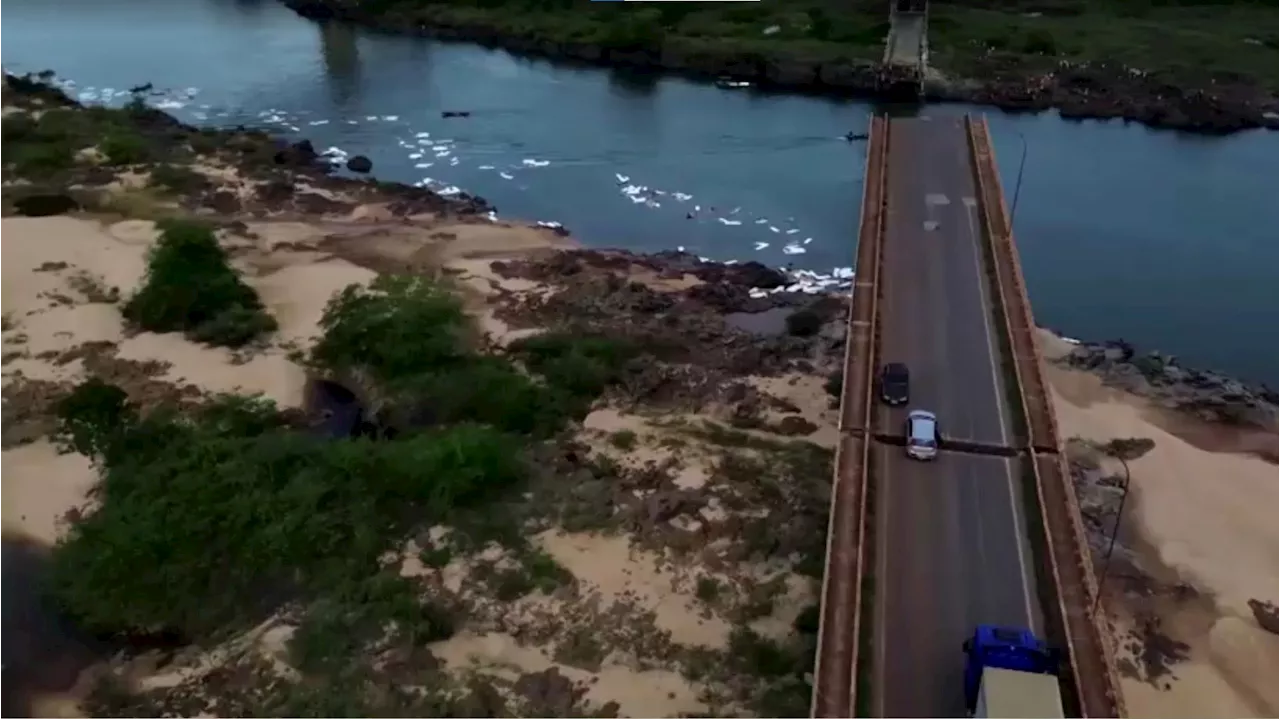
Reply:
x=1164, y=239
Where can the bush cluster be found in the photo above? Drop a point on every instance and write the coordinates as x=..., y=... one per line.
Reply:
x=208, y=521
x=192, y=288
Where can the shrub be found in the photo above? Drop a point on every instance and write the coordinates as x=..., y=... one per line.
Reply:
x=803, y=323
x=178, y=178
x=122, y=147
x=581, y=365
x=43, y=159
x=397, y=328
x=209, y=523
x=190, y=287
x=412, y=338
x=1039, y=42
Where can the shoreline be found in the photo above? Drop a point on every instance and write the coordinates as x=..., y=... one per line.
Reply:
x=676, y=483
x=1075, y=91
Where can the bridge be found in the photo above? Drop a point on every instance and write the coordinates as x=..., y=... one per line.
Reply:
x=990, y=532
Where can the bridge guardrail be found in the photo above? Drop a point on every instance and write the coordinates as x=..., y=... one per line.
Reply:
x=839, y=625
x=1089, y=651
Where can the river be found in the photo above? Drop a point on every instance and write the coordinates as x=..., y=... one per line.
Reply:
x=1160, y=238
x=1163, y=239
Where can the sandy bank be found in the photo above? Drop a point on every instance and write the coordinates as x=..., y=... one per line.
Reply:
x=1202, y=526
x=634, y=610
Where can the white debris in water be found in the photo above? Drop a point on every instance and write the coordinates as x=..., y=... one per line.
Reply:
x=423, y=165
x=730, y=223
x=454, y=161
x=681, y=197
x=792, y=231
x=317, y=123
x=761, y=246
x=506, y=176
x=485, y=167
x=422, y=134
x=807, y=240
x=761, y=221
x=390, y=118
x=793, y=249
x=415, y=156
x=535, y=163
x=170, y=105
x=550, y=225
x=491, y=216
x=371, y=118
x=622, y=179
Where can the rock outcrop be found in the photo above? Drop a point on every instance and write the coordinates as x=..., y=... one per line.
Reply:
x=1161, y=377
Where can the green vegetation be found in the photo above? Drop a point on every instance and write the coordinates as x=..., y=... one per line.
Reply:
x=814, y=30
x=623, y=439
x=211, y=520
x=42, y=147
x=1189, y=41
x=1183, y=41
x=438, y=375
x=191, y=288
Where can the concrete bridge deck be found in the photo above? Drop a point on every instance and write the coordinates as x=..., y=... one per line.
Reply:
x=918, y=554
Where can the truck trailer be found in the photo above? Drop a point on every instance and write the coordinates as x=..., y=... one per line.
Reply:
x=1010, y=673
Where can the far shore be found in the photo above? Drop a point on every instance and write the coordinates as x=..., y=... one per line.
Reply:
x=1036, y=80
x=661, y=539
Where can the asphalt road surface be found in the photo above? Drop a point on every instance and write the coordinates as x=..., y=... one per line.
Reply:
x=951, y=547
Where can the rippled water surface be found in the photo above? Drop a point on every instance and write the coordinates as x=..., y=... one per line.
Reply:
x=1164, y=239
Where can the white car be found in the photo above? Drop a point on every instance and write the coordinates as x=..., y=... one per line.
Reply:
x=922, y=435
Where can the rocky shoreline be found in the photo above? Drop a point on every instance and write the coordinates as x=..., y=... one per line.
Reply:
x=1209, y=395
x=300, y=181
x=1076, y=91
x=294, y=177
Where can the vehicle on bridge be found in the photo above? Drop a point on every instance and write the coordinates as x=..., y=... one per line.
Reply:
x=1011, y=673
x=922, y=435
x=895, y=384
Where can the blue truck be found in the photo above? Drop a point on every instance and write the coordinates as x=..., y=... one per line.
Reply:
x=1011, y=673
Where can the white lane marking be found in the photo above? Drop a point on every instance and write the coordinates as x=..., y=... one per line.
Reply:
x=936, y=198
x=995, y=385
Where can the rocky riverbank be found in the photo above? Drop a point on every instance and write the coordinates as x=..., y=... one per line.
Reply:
x=1076, y=90
x=622, y=558
x=1205, y=394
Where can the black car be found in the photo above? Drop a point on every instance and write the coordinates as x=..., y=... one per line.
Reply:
x=895, y=382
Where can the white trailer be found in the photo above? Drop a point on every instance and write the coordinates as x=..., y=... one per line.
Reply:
x=1009, y=694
